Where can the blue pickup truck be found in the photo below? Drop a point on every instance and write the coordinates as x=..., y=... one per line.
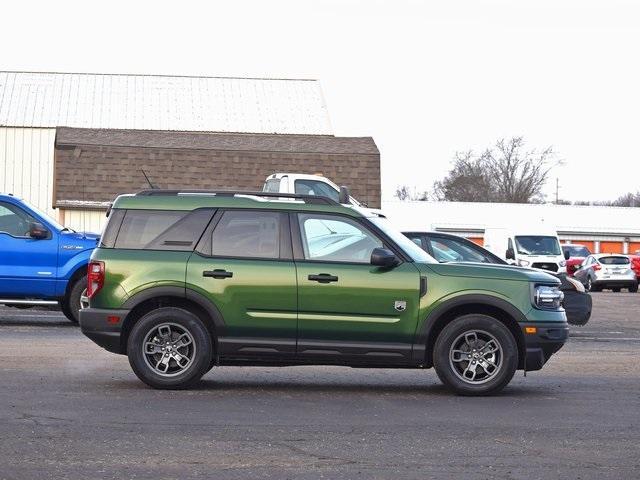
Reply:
x=41, y=262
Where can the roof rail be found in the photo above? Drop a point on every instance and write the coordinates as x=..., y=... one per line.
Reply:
x=233, y=193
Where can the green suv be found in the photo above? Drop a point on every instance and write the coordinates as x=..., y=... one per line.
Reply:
x=183, y=281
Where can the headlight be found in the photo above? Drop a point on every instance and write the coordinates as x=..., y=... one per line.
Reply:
x=579, y=286
x=524, y=263
x=563, y=263
x=546, y=297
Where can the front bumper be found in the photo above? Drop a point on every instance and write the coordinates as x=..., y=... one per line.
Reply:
x=549, y=337
x=577, y=306
x=103, y=327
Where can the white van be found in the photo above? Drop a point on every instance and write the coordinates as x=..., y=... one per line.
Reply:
x=532, y=248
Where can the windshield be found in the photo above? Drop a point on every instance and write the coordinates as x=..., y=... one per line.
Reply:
x=46, y=217
x=272, y=185
x=576, y=251
x=407, y=246
x=537, y=245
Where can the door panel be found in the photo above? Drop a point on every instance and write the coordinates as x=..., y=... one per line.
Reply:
x=258, y=302
x=28, y=267
x=349, y=309
x=356, y=315
x=243, y=265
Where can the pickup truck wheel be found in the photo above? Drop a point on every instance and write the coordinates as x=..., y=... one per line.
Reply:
x=633, y=288
x=72, y=304
x=169, y=348
x=475, y=355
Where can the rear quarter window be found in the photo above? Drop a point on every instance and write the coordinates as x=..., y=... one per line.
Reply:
x=156, y=229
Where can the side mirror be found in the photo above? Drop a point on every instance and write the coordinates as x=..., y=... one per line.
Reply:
x=511, y=255
x=38, y=231
x=343, y=198
x=382, y=257
x=567, y=255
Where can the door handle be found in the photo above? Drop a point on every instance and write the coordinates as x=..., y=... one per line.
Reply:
x=323, y=278
x=217, y=273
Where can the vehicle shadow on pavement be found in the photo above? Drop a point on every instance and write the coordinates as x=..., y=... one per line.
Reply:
x=13, y=322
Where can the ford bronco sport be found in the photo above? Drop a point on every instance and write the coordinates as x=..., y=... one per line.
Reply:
x=183, y=281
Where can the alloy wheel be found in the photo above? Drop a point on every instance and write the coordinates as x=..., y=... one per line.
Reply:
x=168, y=349
x=84, y=300
x=476, y=356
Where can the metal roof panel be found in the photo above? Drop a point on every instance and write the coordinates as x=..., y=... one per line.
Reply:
x=155, y=102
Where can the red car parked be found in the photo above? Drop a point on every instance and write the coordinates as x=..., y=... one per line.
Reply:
x=635, y=263
x=577, y=254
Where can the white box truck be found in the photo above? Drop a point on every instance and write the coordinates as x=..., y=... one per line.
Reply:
x=527, y=247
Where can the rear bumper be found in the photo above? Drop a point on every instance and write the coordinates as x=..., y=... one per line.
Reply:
x=103, y=327
x=615, y=282
x=548, y=339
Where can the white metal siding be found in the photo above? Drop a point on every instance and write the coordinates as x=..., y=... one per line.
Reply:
x=84, y=220
x=26, y=164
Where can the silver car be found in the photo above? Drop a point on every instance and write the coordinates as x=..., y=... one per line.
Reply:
x=606, y=270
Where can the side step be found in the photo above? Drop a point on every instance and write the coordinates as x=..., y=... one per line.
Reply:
x=22, y=301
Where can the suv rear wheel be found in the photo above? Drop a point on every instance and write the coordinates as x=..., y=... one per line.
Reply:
x=169, y=348
x=475, y=355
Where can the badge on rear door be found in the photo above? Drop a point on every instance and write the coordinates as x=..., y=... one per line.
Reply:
x=400, y=305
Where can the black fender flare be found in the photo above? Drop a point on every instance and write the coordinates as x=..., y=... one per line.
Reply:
x=427, y=326
x=181, y=292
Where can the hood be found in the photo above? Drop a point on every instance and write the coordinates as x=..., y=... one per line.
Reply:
x=79, y=240
x=489, y=271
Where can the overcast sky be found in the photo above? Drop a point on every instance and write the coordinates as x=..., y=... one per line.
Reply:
x=424, y=79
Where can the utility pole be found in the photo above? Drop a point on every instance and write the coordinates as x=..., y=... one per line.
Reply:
x=557, y=189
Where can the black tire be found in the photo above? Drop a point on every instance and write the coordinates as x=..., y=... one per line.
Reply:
x=590, y=287
x=506, y=359
x=633, y=288
x=179, y=320
x=616, y=290
x=70, y=305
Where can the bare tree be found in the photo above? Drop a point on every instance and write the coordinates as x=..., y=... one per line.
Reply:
x=404, y=193
x=627, y=200
x=504, y=173
x=467, y=181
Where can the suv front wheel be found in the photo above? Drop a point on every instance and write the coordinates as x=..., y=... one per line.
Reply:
x=475, y=355
x=169, y=348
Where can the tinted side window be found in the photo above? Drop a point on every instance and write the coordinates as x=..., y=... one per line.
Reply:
x=417, y=239
x=449, y=250
x=314, y=187
x=247, y=234
x=336, y=239
x=14, y=220
x=162, y=229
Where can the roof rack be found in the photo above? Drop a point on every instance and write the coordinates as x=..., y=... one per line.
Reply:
x=232, y=193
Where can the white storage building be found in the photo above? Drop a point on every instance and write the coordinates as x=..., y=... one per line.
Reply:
x=601, y=229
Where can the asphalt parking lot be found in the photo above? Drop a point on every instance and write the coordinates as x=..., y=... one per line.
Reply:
x=69, y=409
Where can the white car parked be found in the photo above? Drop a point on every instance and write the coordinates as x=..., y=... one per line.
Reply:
x=606, y=270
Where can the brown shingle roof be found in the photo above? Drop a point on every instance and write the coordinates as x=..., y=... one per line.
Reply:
x=217, y=141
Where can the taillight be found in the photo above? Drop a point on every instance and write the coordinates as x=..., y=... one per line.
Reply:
x=597, y=266
x=95, y=278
